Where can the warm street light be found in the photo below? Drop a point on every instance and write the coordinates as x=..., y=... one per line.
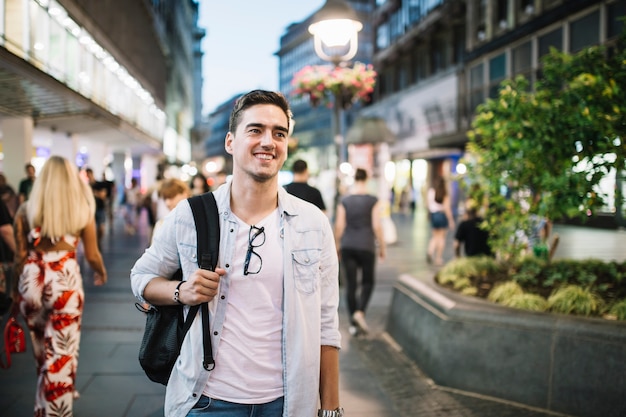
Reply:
x=335, y=29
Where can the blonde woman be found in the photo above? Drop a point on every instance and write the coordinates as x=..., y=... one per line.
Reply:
x=48, y=228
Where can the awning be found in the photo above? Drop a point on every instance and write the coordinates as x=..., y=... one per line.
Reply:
x=369, y=130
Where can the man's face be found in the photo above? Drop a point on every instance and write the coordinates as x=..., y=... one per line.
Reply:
x=259, y=146
x=30, y=171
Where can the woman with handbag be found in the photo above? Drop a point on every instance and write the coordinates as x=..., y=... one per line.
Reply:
x=48, y=227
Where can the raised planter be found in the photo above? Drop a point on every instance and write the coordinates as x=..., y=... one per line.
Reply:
x=560, y=363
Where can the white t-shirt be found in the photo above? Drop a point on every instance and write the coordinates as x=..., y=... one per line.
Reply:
x=248, y=366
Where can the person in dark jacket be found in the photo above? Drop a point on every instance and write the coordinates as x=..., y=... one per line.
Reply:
x=469, y=236
x=300, y=186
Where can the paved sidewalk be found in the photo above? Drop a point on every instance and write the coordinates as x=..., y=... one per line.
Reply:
x=376, y=379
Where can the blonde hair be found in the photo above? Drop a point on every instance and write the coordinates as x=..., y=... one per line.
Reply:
x=60, y=202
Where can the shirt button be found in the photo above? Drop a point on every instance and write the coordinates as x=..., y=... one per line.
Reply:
x=227, y=265
x=222, y=297
x=194, y=395
x=215, y=333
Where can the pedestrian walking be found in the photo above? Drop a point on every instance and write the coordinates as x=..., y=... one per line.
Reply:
x=8, y=195
x=359, y=236
x=99, y=194
x=469, y=237
x=199, y=184
x=274, y=296
x=132, y=199
x=48, y=228
x=441, y=220
x=300, y=185
x=26, y=184
x=172, y=191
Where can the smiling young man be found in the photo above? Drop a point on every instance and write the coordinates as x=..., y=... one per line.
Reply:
x=274, y=296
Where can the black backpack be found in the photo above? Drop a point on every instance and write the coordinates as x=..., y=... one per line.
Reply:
x=165, y=326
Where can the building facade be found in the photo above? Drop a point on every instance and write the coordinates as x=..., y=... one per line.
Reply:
x=84, y=80
x=437, y=60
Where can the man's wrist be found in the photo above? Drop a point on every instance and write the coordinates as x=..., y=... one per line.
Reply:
x=338, y=412
x=177, y=293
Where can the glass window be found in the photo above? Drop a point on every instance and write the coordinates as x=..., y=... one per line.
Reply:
x=14, y=10
x=73, y=63
x=56, y=58
x=415, y=13
x=615, y=13
x=39, y=46
x=477, y=82
x=382, y=36
x=585, y=31
x=551, y=39
x=522, y=58
x=497, y=73
x=396, y=26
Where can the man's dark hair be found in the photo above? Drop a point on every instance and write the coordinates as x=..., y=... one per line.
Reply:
x=299, y=166
x=254, y=98
x=360, y=174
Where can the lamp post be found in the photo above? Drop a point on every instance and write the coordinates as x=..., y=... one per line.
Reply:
x=335, y=29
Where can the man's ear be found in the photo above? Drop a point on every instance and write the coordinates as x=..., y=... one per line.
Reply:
x=228, y=143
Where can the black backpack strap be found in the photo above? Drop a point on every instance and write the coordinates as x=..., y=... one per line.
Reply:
x=206, y=217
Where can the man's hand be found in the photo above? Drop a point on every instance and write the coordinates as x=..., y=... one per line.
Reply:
x=201, y=286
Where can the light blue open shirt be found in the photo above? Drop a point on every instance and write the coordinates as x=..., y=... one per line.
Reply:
x=310, y=297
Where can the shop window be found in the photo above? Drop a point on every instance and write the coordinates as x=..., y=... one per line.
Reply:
x=497, y=73
x=585, y=32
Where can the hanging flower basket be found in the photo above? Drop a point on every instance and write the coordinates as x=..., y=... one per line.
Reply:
x=325, y=83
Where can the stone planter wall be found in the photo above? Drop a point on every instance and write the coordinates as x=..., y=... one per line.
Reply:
x=565, y=364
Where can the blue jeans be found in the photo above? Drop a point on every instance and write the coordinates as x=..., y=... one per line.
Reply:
x=217, y=408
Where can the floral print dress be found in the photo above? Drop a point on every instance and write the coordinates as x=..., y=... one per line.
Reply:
x=51, y=299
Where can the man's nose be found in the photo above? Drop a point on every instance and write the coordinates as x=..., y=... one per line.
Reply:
x=266, y=138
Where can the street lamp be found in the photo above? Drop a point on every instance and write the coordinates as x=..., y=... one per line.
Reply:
x=335, y=29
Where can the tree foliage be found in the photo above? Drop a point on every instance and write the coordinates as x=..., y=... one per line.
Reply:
x=550, y=145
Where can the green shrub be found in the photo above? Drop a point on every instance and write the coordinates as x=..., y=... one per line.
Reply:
x=461, y=283
x=472, y=291
x=618, y=310
x=574, y=299
x=532, y=302
x=479, y=276
x=503, y=292
x=527, y=271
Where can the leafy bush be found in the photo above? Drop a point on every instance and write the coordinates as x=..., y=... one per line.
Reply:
x=618, y=310
x=525, y=301
x=573, y=299
x=600, y=286
x=503, y=292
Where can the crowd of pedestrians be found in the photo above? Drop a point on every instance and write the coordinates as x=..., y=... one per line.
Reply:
x=42, y=224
